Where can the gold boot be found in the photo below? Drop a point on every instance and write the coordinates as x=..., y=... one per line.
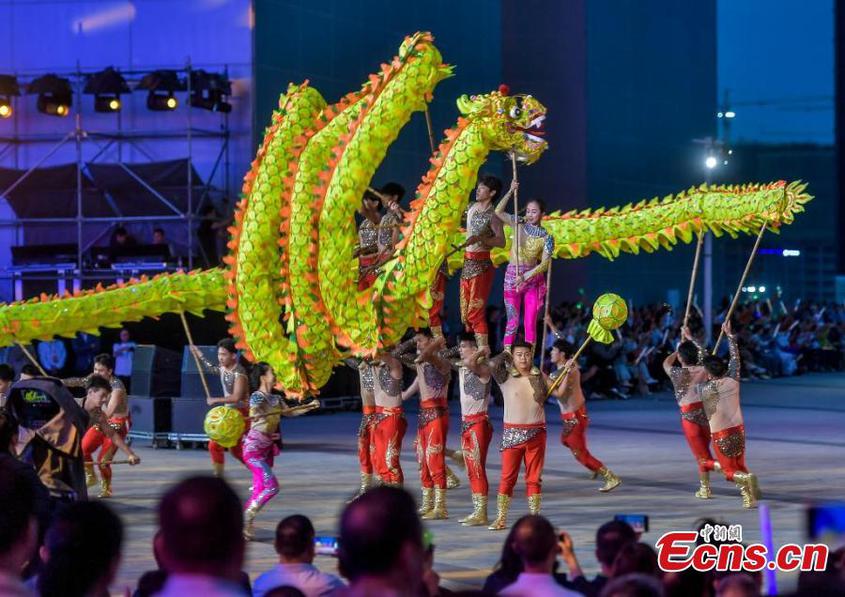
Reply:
x=90, y=476
x=534, y=503
x=452, y=480
x=217, y=469
x=427, y=502
x=479, y=514
x=611, y=481
x=747, y=484
x=366, y=484
x=704, y=492
x=503, y=504
x=249, y=517
x=438, y=512
x=105, y=487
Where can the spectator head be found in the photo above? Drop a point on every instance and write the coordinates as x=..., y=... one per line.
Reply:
x=81, y=551
x=535, y=542
x=688, y=353
x=467, y=344
x=8, y=431
x=124, y=335
x=561, y=351
x=28, y=371
x=295, y=540
x=611, y=537
x=393, y=191
x=489, y=188
x=158, y=236
x=7, y=376
x=715, y=366
x=104, y=365
x=18, y=527
x=227, y=353
x=737, y=585
x=285, y=591
x=261, y=372
x=687, y=583
x=97, y=392
x=633, y=585
x=636, y=558
x=534, y=211
x=522, y=356
x=201, y=523
x=381, y=538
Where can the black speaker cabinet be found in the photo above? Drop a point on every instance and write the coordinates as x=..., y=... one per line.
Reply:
x=155, y=371
x=188, y=415
x=150, y=415
x=191, y=383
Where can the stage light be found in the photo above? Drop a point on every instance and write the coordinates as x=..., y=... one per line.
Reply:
x=5, y=107
x=161, y=103
x=730, y=114
x=106, y=87
x=105, y=103
x=161, y=85
x=762, y=289
x=719, y=114
x=752, y=289
x=791, y=253
x=209, y=91
x=55, y=96
x=8, y=88
x=711, y=162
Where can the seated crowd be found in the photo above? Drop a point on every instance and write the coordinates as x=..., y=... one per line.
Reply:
x=383, y=549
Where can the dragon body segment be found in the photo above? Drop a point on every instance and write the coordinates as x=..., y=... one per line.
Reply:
x=290, y=287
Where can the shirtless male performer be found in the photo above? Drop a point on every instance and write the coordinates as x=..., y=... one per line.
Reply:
x=235, y=395
x=524, y=434
x=686, y=374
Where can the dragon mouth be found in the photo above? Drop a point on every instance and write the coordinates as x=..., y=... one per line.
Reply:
x=534, y=132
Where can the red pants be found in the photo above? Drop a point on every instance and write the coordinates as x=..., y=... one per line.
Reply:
x=94, y=438
x=729, y=446
x=532, y=452
x=574, y=437
x=438, y=295
x=431, y=441
x=365, y=280
x=474, y=294
x=476, y=433
x=365, y=442
x=388, y=432
x=697, y=431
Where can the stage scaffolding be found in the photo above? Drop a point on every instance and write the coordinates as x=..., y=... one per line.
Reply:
x=105, y=140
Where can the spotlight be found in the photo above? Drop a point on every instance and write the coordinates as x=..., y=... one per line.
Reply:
x=106, y=87
x=711, y=162
x=5, y=107
x=55, y=95
x=8, y=88
x=209, y=91
x=730, y=114
x=161, y=85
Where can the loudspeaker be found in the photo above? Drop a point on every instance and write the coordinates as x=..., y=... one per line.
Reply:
x=191, y=383
x=188, y=415
x=150, y=415
x=155, y=371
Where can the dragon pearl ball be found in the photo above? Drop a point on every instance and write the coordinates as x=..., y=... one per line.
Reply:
x=610, y=311
x=224, y=425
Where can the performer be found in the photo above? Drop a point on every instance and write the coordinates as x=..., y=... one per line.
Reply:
x=483, y=232
x=438, y=296
x=432, y=385
x=476, y=429
x=368, y=251
x=235, y=395
x=365, y=430
x=720, y=394
x=389, y=424
x=526, y=283
x=117, y=412
x=686, y=373
x=261, y=442
x=388, y=232
x=524, y=435
x=573, y=413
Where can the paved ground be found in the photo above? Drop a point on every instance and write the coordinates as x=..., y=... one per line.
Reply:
x=796, y=445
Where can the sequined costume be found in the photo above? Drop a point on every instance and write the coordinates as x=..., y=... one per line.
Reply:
x=227, y=380
x=477, y=275
x=368, y=254
x=476, y=434
x=389, y=425
x=535, y=254
x=260, y=447
x=438, y=296
x=366, y=446
x=722, y=407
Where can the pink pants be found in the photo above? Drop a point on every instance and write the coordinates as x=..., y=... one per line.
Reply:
x=532, y=293
x=258, y=451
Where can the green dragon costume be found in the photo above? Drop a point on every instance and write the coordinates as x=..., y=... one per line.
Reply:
x=289, y=286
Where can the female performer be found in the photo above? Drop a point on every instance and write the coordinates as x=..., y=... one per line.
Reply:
x=261, y=443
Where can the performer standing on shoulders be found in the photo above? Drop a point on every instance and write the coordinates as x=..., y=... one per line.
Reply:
x=432, y=385
x=389, y=424
x=686, y=373
x=235, y=395
x=368, y=249
x=720, y=394
x=483, y=232
x=365, y=429
x=116, y=411
x=573, y=413
x=526, y=282
x=476, y=429
x=524, y=435
x=388, y=232
x=260, y=445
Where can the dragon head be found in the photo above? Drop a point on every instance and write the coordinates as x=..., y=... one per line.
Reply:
x=512, y=123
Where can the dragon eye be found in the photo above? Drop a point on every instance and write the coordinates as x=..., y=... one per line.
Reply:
x=516, y=112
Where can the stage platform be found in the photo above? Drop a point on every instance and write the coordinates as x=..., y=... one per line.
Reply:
x=796, y=446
